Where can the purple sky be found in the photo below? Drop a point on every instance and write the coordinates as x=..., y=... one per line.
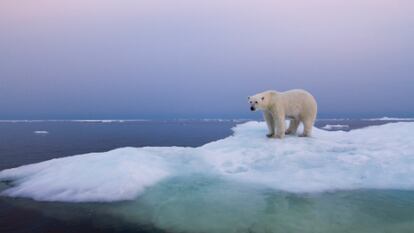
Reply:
x=170, y=59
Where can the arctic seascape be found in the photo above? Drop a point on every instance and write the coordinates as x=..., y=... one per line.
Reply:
x=182, y=116
x=358, y=180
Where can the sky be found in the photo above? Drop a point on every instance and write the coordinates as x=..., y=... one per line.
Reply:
x=98, y=59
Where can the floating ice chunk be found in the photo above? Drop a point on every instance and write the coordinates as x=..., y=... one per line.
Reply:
x=379, y=157
x=41, y=132
x=333, y=119
x=225, y=120
x=335, y=127
x=108, y=121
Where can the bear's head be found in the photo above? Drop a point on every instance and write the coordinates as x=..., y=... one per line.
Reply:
x=258, y=101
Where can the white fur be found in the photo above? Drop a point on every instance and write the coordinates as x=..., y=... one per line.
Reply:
x=296, y=105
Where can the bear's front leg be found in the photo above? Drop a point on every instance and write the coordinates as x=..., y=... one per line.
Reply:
x=270, y=124
x=281, y=127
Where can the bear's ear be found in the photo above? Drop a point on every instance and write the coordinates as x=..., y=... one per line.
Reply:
x=263, y=98
x=248, y=97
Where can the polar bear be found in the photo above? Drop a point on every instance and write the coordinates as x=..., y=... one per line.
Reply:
x=296, y=105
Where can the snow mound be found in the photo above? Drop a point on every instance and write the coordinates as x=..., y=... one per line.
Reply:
x=378, y=157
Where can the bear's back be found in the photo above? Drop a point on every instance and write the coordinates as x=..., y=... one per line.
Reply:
x=298, y=101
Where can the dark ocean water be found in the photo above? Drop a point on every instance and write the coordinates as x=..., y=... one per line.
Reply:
x=21, y=144
x=30, y=142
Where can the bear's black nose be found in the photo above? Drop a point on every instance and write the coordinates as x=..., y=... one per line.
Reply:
x=252, y=108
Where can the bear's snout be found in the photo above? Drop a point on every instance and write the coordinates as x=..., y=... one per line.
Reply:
x=252, y=108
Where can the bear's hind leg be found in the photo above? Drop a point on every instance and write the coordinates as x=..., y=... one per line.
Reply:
x=307, y=128
x=293, y=126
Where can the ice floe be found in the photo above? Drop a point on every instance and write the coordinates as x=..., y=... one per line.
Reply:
x=390, y=119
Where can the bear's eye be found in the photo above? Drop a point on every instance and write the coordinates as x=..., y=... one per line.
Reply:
x=250, y=101
x=256, y=102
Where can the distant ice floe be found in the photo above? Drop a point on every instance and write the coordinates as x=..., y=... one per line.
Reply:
x=98, y=121
x=335, y=127
x=376, y=157
x=41, y=132
x=79, y=121
x=235, y=120
x=225, y=120
x=128, y=120
x=333, y=119
x=108, y=121
x=389, y=119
